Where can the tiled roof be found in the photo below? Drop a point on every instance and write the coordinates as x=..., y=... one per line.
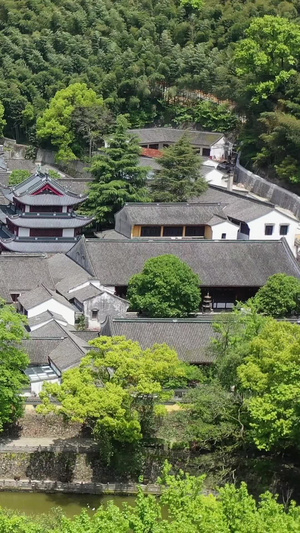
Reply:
x=150, y=152
x=218, y=263
x=58, y=343
x=30, y=245
x=40, y=295
x=86, y=293
x=149, y=162
x=235, y=205
x=173, y=213
x=44, y=221
x=61, y=267
x=172, y=135
x=189, y=337
x=23, y=272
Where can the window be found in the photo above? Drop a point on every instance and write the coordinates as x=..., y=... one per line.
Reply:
x=223, y=236
x=173, y=231
x=206, y=152
x=150, y=231
x=284, y=228
x=269, y=229
x=94, y=314
x=153, y=146
x=194, y=231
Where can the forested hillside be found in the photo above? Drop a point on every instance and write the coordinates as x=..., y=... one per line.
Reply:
x=131, y=50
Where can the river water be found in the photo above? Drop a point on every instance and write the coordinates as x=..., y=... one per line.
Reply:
x=33, y=503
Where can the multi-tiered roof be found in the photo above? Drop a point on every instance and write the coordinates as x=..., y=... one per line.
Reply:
x=40, y=216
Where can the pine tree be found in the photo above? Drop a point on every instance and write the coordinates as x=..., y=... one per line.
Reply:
x=118, y=178
x=180, y=177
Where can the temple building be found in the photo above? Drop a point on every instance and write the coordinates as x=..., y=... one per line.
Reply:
x=40, y=216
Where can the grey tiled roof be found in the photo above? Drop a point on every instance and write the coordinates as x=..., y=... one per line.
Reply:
x=189, y=337
x=172, y=135
x=58, y=343
x=86, y=293
x=40, y=295
x=235, y=205
x=149, y=162
x=110, y=234
x=39, y=349
x=61, y=267
x=28, y=246
x=175, y=213
x=70, y=282
x=24, y=192
x=87, y=336
x=74, y=221
x=218, y=263
x=20, y=272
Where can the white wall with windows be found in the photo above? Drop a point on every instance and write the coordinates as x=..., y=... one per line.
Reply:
x=274, y=226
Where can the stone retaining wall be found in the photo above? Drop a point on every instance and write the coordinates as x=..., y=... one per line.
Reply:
x=24, y=485
x=266, y=189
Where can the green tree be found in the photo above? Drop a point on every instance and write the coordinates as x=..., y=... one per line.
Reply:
x=57, y=122
x=279, y=297
x=115, y=388
x=93, y=123
x=118, y=178
x=269, y=56
x=270, y=374
x=180, y=176
x=17, y=176
x=13, y=363
x=2, y=119
x=167, y=287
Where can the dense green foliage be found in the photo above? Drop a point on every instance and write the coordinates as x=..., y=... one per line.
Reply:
x=17, y=176
x=166, y=288
x=279, y=297
x=59, y=122
x=13, y=361
x=115, y=388
x=189, y=509
x=179, y=178
x=140, y=57
x=117, y=176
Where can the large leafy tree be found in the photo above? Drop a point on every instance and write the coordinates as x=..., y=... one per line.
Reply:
x=167, y=287
x=59, y=122
x=279, y=297
x=115, y=388
x=13, y=361
x=17, y=176
x=271, y=374
x=180, y=176
x=269, y=56
x=118, y=178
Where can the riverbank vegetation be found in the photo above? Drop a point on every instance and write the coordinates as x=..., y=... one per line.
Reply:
x=182, y=504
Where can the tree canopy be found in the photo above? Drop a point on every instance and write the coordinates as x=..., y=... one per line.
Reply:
x=167, y=287
x=113, y=389
x=14, y=361
x=279, y=297
x=118, y=178
x=17, y=176
x=59, y=122
x=180, y=176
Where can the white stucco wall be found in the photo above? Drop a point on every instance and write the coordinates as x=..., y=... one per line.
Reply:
x=225, y=227
x=257, y=228
x=68, y=232
x=217, y=151
x=106, y=304
x=24, y=232
x=56, y=307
